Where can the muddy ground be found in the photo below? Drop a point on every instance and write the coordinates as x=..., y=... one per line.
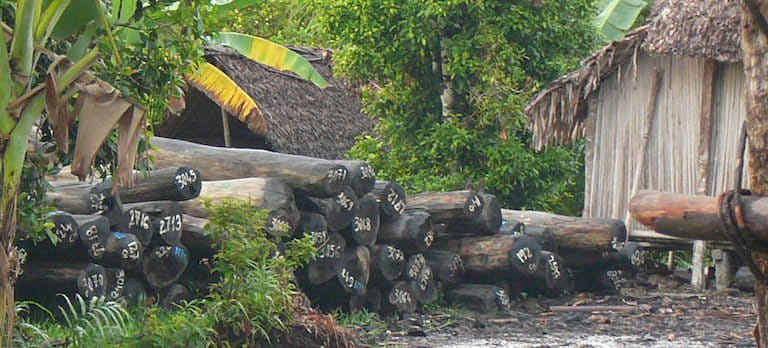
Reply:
x=657, y=318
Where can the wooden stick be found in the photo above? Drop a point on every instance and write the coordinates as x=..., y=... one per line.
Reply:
x=567, y=309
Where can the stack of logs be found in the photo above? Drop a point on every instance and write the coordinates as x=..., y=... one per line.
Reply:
x=378, y=248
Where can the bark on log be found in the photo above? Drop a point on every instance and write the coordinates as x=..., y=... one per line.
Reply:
x=65, y=228
x=305, y=175
x=446, y=266
x=695, y=217
x=86, y=199
x=479, y=297
x=361, y=175
x=158, y=222
x=196, y=238
x=744, y=279
x=449, y=206
x=88, y=280
x=542, y=234
x=163, y=265
x=398, y=298
x=391, y=198
x=411, y=232
x=264, y=193
x=498, y=257
x=166, y=184
x=387, y=263
x=632, y=258
x=329, y=259
x=339, y=211
x=575, y=232
x=488, y=223
x=365, y=225
x=510, y=227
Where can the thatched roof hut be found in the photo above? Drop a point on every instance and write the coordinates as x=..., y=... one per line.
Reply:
x=300, y=117
x=608, y=101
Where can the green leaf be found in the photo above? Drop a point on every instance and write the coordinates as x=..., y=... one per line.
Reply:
x=618, y=16
x=225, y=6
x=50, y=18
x=83, y=42
x=6, y=94
x=77, y=15
x=123, y=10
x=23, y=44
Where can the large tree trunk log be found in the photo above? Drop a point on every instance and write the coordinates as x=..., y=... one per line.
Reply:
x=413, y=267
x=122, y=250
x=551, y=279
x=339, y=211
x=446, y=266
x=86, y=199
x=88, y=280
x=361, y=175
x=355, y=270
x=488, y=223
x=65, y=228
x=387, y=263
x=575, y=232
x=411, y=232
x=365, y=226
x=631, y=258
x=542, y=234
x=158, y=222
x=425, y=286
x=509, y=227
x=329, y=259
x=398, y=298
x=391, y=198
x=370, y=302
x=306, y=175
x=264, y=193
x=167, y=184
x=449, y=206
x=163, y=265
x=479, y=297
x=196, y=238
x=744, y=279
x=501, y=257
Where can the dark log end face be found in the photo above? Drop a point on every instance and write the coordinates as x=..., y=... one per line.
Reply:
x=636, y=255
x=554, y=269
x=102, y=202
x=491, y=214
x=127, y=247
x=188, y=183
x=365, y=226
x=402, y=298
x=65, y=228
x=618, y=234
x=169, y=226
x=328, y=259
x=396, y=258
x=91, y=282
x=474, y=206
x=416, y=264
x=502, y=299
x=341, y=210
x=164, y=265
x=424, y=279
x=455, y=269
x=278, y=225
x=116, y=287
x=525, y=254
x=336, y=179
x=367, y=177
x=350, y=282
x=92, y=234
x=137, y=223
x=392, y=200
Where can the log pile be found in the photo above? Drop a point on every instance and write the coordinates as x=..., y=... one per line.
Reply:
x=378, y=247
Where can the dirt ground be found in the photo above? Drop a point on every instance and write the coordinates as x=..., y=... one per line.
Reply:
x=657, y=318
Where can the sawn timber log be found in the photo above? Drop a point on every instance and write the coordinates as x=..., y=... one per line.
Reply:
x=501, y=256
x=575, y=232
x=464, y=205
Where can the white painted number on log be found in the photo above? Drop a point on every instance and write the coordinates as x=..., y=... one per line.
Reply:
x=475, y=203
x=98, y=203
x=554, y=266
x=170, y=223
x=524, y=255
x=319, y=237
x=65, y=232
x=363, y=224
x=329, y=251
x=367, y=172
x=97, y=250
x=398, y=296
x=395, y=254
x=416, y=267
x=131, y=251
x=163, y=251
x=92, y=283
x=335, y=175
x=424, y=279
x=119, y=284
x=617, y=244
x=185, y=179
x=502, y=299
x=395, y=201
x=138, y=219
x=345, y=202
x=638, y=258
x=347, y=278
x=455, y=265
x=429, y=238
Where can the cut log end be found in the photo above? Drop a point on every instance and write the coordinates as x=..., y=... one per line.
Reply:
x=525, y=255
x=391, y=198
x=163, y=265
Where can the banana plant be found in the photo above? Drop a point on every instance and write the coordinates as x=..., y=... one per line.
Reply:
x=24, y=95
x=617, y=17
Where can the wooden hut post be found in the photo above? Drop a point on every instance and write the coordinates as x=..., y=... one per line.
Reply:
x=650, y=116
x=698, y=258
x=225, y=125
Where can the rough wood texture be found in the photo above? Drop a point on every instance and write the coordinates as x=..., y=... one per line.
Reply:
x=163, y=265
x=446, y=266
x=695, y=217
x=195, y=237
x=724, y=268
x=501, y=257
x=157, y=222
x=86, y=199
x=398, y=297
x=65, y=228
x=339, y=211
x=264, y=193
x=166, y=184
x=89, y=280
x=306, y=175
x=449, y=206
x=511, y=227
x=425, y=286
x=575, y=232
x=361, y=176
x=370, y=302
x=387, y=263
x=744, y=279
x=122, y=250
x=355, y=270
x=542, y=234
x=365, y=225
x=391, y=198
x=411, y=232
x=479, y=297
x=329, y=258
x=488, y=223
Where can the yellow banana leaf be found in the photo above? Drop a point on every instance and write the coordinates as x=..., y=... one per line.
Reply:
x=269, y=53
x=225, y=92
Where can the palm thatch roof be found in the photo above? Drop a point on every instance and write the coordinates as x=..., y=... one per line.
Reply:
x=697, y=28
x=300, y=117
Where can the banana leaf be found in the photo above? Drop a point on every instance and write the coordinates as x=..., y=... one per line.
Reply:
x=618, y=16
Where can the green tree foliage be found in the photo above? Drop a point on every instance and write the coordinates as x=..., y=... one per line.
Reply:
x=497, y=54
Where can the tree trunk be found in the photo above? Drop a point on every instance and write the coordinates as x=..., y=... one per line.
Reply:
x=166, y=184
x=88, y=280
x=361, y=176
x=339, y=211
x=488, y=223
x=163, y=265
x=306, y=175
x=77, y=198
x=575, y=232
x=365, y=225
x=497, y=257
x=391, y=198
x=158, y=222
x=448, y=206
x=411, y=232
x=755, y=47
x=264, y=193
x=387, y=263
x=482, y=298
x=328, y=260
x=446, y=266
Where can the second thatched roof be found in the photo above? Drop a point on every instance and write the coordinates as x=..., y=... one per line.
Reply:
x=696, y=28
